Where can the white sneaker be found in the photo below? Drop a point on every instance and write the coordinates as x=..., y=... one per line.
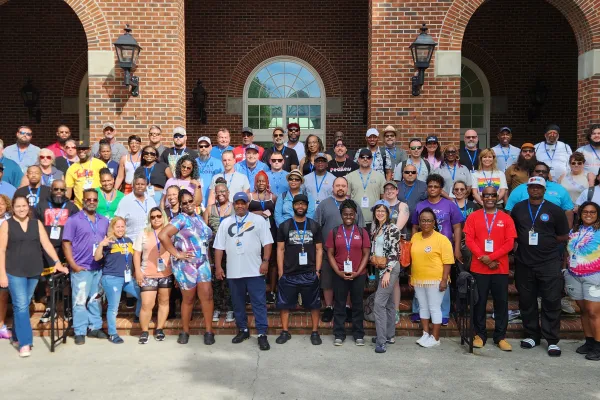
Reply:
x=216, y=315
x=423, y=339
x=430, y=342
x=566, y=306
x=230, y=317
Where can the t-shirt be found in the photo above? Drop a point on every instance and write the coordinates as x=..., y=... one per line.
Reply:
x=328, y=216
x=24, y=158
x=515, y=176
x=550, y=223
x=369, y=185
x=297, y=238
x=457, y=173
x=236, y=182
x=148, y=244
x=469, y=158
x=381, y=161
x=254, y=234
x=483, y=179
x=55, y=174
x=556, y=156
x=505, y=157
x=250, y=173
x=341, y=169
x=117, y=151
x=446, y=212
x=34, y=196
x=82, y=176
x=62, y=164
x=278, y=182
x=396, y=155
x=584, y=252
x=359, y=240
x=113, y=167
x=592, y=158
x=156, y=173
x=289, y=157
x=192, y=236
x=319, y=187
x=12, y=172
x=299, y=148
x=584, y=196
x=107, y=205
x=240, y=153
x=55, y=215
x=7, y=189
x=423, y=169
x=503, y=234
x=172, y=155
x=554, y=193
x=135, y=213
x=182, y=183
x=412, y=195
x=83, y=235
x=118, y=257
x=428, y=257
x=207, y=170
x=217, y=152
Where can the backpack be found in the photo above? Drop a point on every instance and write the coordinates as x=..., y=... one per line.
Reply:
x=369, y=308
x=335, y=232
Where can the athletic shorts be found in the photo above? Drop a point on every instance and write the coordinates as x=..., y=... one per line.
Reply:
x=306, y=284
x=153, y=284
x=583, y=287
x=188, y=275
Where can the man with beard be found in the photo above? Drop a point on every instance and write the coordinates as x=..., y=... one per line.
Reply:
x=520, y=172
x=469, y=154
x=293, y=132
x=554, y=152
x=54, y=214
x=171, y=155
x=290, y=158
x=506, y=154
x=84, y=174
x=117, y=149
x=381, y=162
x=63, y=133
x=299, y=255
x=341, y=164
x=23, y=152
x=35, y=192
x=591, y=151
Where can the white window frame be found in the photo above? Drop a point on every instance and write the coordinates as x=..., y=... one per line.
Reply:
x=266, y=135
x=484, y=134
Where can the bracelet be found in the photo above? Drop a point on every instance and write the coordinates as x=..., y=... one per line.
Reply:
x=265, y=260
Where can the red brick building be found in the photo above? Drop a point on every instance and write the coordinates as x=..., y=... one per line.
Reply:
x=328, y=64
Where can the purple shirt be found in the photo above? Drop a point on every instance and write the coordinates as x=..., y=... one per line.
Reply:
x=446, y=212
x=79, y=231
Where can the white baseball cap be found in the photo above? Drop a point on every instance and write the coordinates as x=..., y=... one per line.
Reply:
x=536, y=180
x=372, y=131
x=204, y=139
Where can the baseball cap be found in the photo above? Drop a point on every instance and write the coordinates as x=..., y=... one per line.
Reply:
x=527, y=145
x=240, y=196
x=296, y=173
x=372, y=131
x=389, y=128
x=431, y=138
x=321, y=155
x=365, y=152
x=83, y=144
x=505, y=128
x=393, y=183
x=204, y=139
x=108, y=125
x=293, y=125
x=552, y=127
x=300, y=197
x=383, y=202
x=179, y=130
x=251, y=147
x=536, y=180
x=247, y=129
x=1, y=167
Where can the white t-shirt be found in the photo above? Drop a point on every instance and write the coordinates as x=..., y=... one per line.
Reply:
x=583, y=196
x=483, y=179
x=506, y=157
x=254, y=234
x=592, y=158
x=236, y=182
x=556, y=156
x=299, y=147
x=135, y=213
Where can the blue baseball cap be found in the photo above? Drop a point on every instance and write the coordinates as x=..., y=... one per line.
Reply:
x=383, y=202
x=240, y=196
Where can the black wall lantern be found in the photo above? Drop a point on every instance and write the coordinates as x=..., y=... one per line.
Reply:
x=199, y=96
x=128, y=51
x=31, y=99
x=537, y=98
x=422, y=51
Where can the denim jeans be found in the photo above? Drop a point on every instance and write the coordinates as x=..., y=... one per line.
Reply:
x=445, y=305
x=256, y=287
x=86, y=313
x=113, y=287
x=21, y=290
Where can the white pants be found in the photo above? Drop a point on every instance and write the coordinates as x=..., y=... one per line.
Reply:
x=430, y=302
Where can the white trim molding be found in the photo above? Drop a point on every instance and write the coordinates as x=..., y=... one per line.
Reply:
x=588, y=64
x=448, y=63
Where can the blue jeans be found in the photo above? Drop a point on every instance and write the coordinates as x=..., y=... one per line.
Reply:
x=86, y=313
x=256, y=287
x=21, y=291
x=113, y=286
x=445, y=305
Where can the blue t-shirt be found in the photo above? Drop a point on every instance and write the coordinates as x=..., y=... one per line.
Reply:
x=217, y=152
x=555, y=193
x=242, y=168
x=278, y=181
x=7, y=189
x=12, y=172
x=117, y=257
x=208, y=169
x=113, y=166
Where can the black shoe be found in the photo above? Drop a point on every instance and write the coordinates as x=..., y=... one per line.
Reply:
x=315, y=339
x=97, y=333
x=263, y=343
x=116, y=339
x=348, y=314
x=327, y=314
x=270, y=298
x=284, y=336
x=159, y=335
x=136, y=320
x=209, y=338
x=79, y=339
x=143, y=338
x=183, y=338
x=130, y=302
x=586, y=347
x=241, y=336
x=593, y=355
x=46, y=316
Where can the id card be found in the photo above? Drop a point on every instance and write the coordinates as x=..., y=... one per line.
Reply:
x=150, y=191
x=347, y=267
x=94, y=247
x=160, y=265
x=55, y=232
x=127, y=275
x=88, y=184
x=267, y=213
x=203, y=248
x=364, y=203
x=533, y=238
x=302, y=259
x=489, y=246
x=239, y=248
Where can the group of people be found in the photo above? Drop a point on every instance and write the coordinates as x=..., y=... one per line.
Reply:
x=133, y=221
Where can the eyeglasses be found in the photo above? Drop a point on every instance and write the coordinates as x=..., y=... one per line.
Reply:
x=149, y=153
x=450, y=152
x=186, y=203
x=276, y=160
x=187, y=167
x=366, y=157
x=295, y=180
x=460, y=189
x=540, y=171
x=69, y=147
x=59, y=189
x=433, y=186
x=390, y=136
x=390, y=189
x=278, y=135
x=416, y=147
x=154, y=134
x=45, y=157
x=489, y=195
x=293, y=130
x=178, y=136
x=576, y=162
x=25, y=133
x=203, y=146
x=426, y=221
x=528, y=151
x=410, y=172
x=155, y=216
x=91, y=200
x=589, y=212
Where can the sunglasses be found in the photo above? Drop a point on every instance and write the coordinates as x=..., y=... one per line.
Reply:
x=91, y=200
x=187, y=167
x=178, y=136
x=186, y=203
x=527, y=151
x=59, y=189
x=25, y=133
x=295, y=180
x=278, y=135
x=489, y=195
x=366, y=157
x=576, y=162
x=293, y=130
x=149, y=153
x=154, y=134
x=450, y=152
x=277, y=160
x=246, y=134
x=410, y=172
x=155, y=216
x=416, y=147
x=203, y=146
x=390, y=136
x=69, y=147
x=50, y=158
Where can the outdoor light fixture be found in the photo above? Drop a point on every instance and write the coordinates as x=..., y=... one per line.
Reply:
x=31, y=99
x=199, y=96
x=422, y=51
x=128, y=51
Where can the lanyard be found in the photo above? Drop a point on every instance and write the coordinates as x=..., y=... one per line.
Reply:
x=21, y=155
x=203, y=166
x=171, y=214
x=221, y=218
x=410, y=162
x=282, y=150
x=536, y=213
x=58, y=214
x=37, y=194
x=262, y=202
x=505, y=155
x=348, y=242
x=487, y=181
x=548, y=154
x=134, y=165
x=230, y=179
x=472, y=159
x=303, y=233
x=317, y=183
x=247, y=168
x=463, y=211
x=94, y=226
x=123, y=246
x=392, y=155
x=149, y=174
x=491, y=226
x=143, y=207
x=364, y=185
x=239, y=225
x=107, y=201
x=581, y=235
x=88, y=172
x=337, y=203
x=453, y=171
x=311, y=166
x=176, y=153
x=48, y=181
x=594, y=150
x=407, y=195
x=157, y=242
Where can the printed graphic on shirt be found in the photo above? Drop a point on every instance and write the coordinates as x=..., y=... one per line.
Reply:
x=296, y=238
x=232, y=231
x=51, y=214
x=482, y=183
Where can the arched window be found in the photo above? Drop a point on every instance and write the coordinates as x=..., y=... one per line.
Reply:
x=474, y=102
x=280, y=91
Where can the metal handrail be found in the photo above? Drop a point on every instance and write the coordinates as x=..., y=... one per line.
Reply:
x=60, y=310
x=464, y=314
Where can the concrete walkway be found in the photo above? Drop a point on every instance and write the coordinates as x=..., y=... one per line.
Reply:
x=296, y=370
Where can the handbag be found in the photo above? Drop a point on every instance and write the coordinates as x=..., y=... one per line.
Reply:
x=405, y=246
x=378, y=262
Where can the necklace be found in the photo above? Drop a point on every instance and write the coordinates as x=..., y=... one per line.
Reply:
x=343, y=165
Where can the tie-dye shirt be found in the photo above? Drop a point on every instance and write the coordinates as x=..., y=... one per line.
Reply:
x=584, y=252
x=192, y=236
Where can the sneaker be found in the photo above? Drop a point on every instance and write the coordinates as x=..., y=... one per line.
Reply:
x=430, y=342
x=327, y=314
x=397, y=316
x=380, y=348
x=594, y=354
x=263, y=343
x=338, y=342
x=359, y=342
x=284, y=336
x=415, y=318
x=209, y=338
x=586, y=347
x=183, y=338
x=45, y=318
x=116, y=339
x=130, y=302
x=388, y=341
x=514, y=314
x=270, y=299
x=504, y=345
x=68, y=315
x=478, y=342
x=348, y=314
x=241, y=336
x=25, y=351
x=315, y=339
x=4, y=333
x=159, y=335
x=79, y=339
x=97, y=333
x=216, y=315
x=423, y=338
x=554, y=351
x=445, y=321
x=143, y=338
x=230, y=316
x=566, y=306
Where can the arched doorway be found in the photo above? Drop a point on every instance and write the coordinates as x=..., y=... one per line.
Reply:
x=474, y=102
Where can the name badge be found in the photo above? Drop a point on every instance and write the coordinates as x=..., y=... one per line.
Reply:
x=160, y=265
x=55, y=232
x=303, y=258
x=88, y=184
x=150, y=191
x=127, y=275
x=573, y=260
x=267, y=213
x=203, y=248
x=533, y=238
x=347, y=267
x=239, y=248
x=94, y=247
x=364, y=202
x=489, y=246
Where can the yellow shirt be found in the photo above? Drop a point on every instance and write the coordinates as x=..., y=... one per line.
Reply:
x=428, y=257
x=81, y=176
